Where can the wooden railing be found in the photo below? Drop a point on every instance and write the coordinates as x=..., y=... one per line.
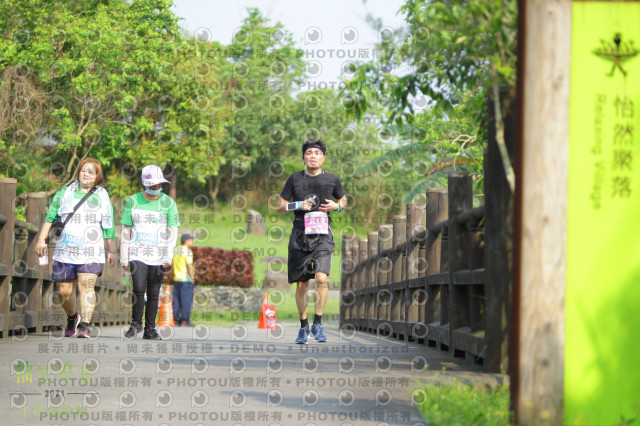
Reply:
x=422, y=278
x=435, y=276
x=29, y=300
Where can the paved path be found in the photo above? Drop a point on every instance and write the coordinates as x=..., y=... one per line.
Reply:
x=226, y=376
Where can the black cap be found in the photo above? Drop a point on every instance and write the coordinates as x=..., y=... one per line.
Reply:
x=186, y=237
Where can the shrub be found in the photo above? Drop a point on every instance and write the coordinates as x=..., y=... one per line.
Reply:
x=220, y=267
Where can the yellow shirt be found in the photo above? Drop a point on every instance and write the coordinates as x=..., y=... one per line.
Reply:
x=181, y=258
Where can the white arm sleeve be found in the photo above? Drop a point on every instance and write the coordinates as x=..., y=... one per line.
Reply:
x=171, y=244
x=125, y=241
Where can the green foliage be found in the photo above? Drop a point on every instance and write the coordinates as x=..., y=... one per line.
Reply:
x=460, y=404
x=114, y=81
x=432, y=79
x=259, y=74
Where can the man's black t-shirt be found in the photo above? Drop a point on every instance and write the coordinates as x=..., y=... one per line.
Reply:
x=301, y=186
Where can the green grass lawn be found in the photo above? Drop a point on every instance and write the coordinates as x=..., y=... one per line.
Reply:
x=286, y=311
x=225, y=229
x=460, y=404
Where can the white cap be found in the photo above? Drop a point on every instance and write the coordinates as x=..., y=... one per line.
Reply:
x=152, y=175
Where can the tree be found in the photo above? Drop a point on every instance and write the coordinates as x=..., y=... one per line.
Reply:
x=102, y=78
x=263, y=68
x=431, y=83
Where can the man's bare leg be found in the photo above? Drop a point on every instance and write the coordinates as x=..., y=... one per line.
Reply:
x=301, y=299
x=322, y=289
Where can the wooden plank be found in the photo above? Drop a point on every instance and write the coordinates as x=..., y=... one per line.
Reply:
x=441, y=278
x=439, y=333
x=468, y=277
x=540, y=218
x=464, y=340
x=418, y=282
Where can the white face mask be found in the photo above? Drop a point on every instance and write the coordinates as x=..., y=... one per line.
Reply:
x=153, y=191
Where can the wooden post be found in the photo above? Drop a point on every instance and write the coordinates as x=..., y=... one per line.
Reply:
x=352, y=312
x=460, y=199
x=444, y=269
x=436, y=212
x=383, y=266
x=372, y=281
x=362, y=283
x=399, y=237
x=414, y=265
x=36, y=212
x=345, y=278
x=498, y=224
x=7, y=210
x=537, y=362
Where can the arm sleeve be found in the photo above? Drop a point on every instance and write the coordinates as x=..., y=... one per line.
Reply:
x=125, y=240
x=337, y=189
x=111, y=231
x=52, y=213
x=126, y=214
x=287, y=191
x=171, y=244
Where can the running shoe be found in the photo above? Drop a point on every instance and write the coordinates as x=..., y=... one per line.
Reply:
x=303, y=336
x=318, y=333
x=84, y=330
x=151, y=334
x=134, y=329
x=72, y=325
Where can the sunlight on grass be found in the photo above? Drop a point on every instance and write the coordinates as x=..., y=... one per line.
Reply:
x=286, y=312
x=460, y=404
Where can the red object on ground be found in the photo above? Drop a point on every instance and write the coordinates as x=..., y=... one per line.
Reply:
x=165, y=316
x=268, y=317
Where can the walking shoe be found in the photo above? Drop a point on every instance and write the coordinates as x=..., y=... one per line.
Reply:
x=72, y=325
x=84, y=330
x=318, y=333
x=303, y=336
x=151, y=334
x=134, y=329
x=188, y=324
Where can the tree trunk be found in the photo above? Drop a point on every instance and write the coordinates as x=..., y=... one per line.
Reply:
x=173, y=181
x=214, y=188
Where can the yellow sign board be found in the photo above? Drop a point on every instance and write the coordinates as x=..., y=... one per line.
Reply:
x=602, y=352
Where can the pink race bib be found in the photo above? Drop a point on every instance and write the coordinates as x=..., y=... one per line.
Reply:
x=316, y=223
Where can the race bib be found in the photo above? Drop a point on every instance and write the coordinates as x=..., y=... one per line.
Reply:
x=73, y=241
x=146, y=239
x=316, y=223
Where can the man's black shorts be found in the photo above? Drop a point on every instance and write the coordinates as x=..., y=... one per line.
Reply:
x=309, y=254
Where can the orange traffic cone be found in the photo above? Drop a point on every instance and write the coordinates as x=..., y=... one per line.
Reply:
x=165, y=316
x=268, y=317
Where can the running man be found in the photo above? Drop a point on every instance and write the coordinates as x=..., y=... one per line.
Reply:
x=311, y=194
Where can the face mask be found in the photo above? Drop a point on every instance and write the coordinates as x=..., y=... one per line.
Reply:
x=153, y=192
